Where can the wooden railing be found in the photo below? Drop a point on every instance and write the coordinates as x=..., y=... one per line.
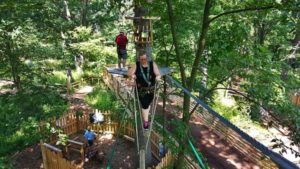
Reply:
x=296, y=99
x=76, y=146
x=166, y=161
x=70, y=124
x=53, y=158
x=228, y=134
x=116, y=83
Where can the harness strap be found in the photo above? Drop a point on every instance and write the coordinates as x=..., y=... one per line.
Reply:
x=146, y=77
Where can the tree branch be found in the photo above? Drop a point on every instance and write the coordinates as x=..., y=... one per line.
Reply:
x=201, y=43
x=242, y=10
x=176, y=43
x=236, y=91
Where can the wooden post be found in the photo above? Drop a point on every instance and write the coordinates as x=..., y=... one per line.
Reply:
x=77, y=123
x=45, y=162
x=142, y=159
x=82, y=152
x=69, y=79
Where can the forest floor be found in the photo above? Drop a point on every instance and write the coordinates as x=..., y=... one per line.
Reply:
x=124, y=155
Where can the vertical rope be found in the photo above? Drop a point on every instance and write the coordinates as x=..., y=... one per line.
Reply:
x=155, y=100
x=135, y=119
x=140, y=109
x=117, y=140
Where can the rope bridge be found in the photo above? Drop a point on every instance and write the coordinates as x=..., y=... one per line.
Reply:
x=253, y=150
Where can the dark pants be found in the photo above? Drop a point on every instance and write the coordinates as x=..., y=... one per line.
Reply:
x=122, y=53
x=90, y=142
x=146, y=99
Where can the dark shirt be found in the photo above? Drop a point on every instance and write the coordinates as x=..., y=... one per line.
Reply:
x=121, y=41
x=140, y=81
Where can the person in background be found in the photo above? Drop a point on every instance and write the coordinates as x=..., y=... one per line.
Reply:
x=145, y=73
x=90, y=136
x=121, y=41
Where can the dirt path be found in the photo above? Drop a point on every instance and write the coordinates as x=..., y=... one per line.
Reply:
x=218, y=153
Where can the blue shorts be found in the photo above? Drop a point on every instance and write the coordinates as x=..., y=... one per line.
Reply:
x=122, y=53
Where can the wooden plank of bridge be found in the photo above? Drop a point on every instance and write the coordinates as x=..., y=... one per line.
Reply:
x=142, y=159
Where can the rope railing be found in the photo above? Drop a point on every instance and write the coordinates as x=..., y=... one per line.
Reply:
x=114, y=82
x=275, y=157
x=261, y=154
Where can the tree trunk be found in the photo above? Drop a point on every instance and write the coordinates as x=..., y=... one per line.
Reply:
x=176, y=44
x=138, y=12
x=203, y=76
x=201, y=44
x=14, y=63
x=291, y=58
x=84, y=9
x=189, y=85
x=66, y=7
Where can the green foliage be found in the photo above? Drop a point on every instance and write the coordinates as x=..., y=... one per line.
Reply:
x=37, y=44
x=21, y=113
x=92, y=45
x=5, y=163
x=102, y=99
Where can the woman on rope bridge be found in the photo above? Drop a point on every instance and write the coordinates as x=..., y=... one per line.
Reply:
x=145, y=73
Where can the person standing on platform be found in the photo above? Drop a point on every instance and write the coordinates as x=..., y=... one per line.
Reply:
x=121, y=41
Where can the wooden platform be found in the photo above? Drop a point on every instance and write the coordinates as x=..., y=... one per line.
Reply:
x=113, y=69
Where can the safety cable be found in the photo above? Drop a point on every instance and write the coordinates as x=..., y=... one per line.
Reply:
x=117, y=140
x=154, y=106
x=135, y=119
x=278, y=159
x=139, y=104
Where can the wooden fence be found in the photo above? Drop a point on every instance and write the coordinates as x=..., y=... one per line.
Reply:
x=296, y=99
x=53, y=158
x=166, y=161
x=236, y=140
x=228, y=134
x=70, y=124
x=116, y=83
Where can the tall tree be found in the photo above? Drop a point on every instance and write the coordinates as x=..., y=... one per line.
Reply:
x=188, y=81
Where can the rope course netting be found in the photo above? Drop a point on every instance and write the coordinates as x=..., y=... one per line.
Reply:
x=135, y=109
x=252, y=149
x=223, y=127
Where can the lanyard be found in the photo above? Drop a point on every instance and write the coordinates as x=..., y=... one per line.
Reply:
x=146, y=78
